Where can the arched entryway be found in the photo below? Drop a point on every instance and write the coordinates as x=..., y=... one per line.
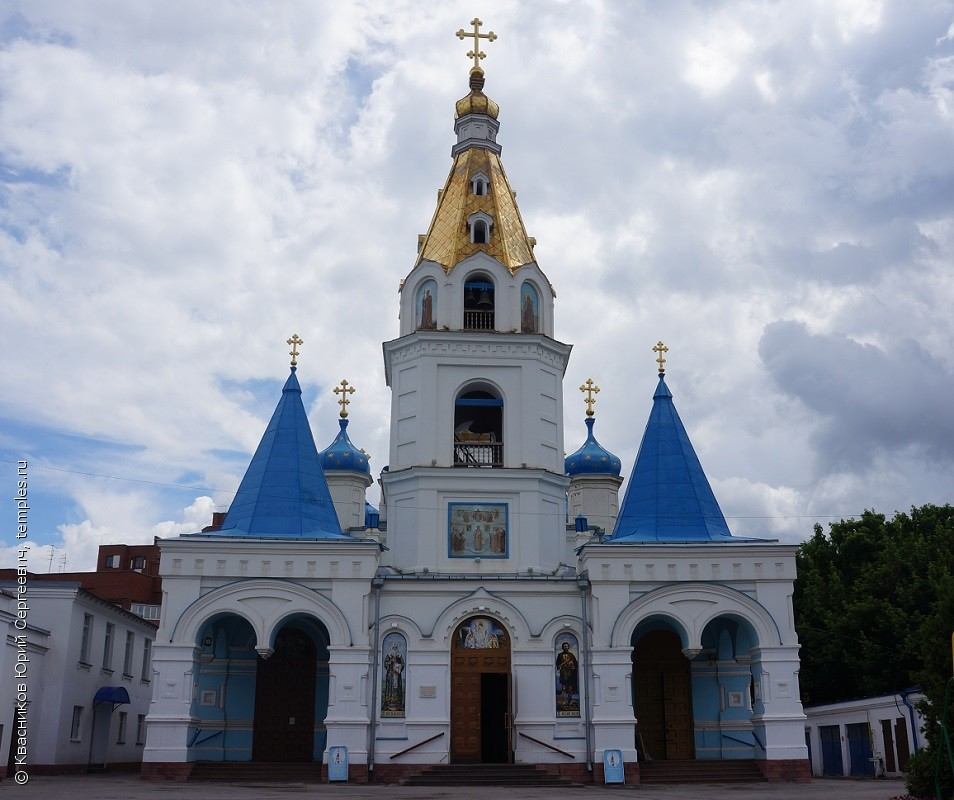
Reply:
x=265, y=709
x=481, y=722
x=223, y=702
x=662, y=695
x=725, y=690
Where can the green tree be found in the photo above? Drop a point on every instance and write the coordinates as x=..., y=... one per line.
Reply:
x=874, y=608
x=870, y=605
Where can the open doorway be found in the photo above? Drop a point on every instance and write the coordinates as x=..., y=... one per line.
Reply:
x=494, y=705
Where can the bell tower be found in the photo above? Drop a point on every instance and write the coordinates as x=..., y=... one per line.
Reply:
x=475, y=481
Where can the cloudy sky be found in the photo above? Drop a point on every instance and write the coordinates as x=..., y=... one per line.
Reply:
x=768, y=187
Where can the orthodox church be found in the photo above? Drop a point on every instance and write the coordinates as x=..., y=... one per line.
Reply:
x=502, y=605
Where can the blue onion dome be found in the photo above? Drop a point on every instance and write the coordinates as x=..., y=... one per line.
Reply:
x=592, y=458
x=341, y=454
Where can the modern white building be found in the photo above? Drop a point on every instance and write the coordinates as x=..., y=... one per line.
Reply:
x=871, y=737
x=506, y=607
x=84, y=668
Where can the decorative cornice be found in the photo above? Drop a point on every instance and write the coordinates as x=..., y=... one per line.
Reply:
x=460, y=345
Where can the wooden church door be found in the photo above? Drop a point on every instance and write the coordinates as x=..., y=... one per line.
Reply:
x=677, y=702
x=480, y=693
x=662, y=691
x=285, y=700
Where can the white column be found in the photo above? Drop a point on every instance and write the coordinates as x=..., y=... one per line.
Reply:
x=778, y=716
x=614, y=723
x=170, y=713
x=349, y=698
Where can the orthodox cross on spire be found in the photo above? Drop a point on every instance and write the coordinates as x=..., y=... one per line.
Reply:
x=294, y=342
x=476, y=53
x=659, y=348
x=343, y=391
x=589, y=389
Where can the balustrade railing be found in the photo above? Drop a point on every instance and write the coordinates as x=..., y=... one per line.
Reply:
x=478, y=320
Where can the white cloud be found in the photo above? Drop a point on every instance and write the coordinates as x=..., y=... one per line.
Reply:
x=177, y=199
x=79, y=543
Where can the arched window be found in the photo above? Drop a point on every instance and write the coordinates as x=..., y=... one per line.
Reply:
x=479, y=185
x=393, y=675
x=425, y=306
x=529, y=309
x=478, y=429
x=480, y=226
x=479, y=303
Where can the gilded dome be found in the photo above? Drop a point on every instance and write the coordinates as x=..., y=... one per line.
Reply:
x=477, y=102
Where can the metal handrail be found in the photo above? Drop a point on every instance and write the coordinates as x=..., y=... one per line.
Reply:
x=478, y=454
x=554, y=748
x=741, y=741
x=415, y=746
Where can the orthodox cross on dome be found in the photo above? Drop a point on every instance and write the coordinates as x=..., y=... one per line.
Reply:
x=659, y=348
x=343, y=391
x=294, y=342
x=476, y=53
x=589, y=389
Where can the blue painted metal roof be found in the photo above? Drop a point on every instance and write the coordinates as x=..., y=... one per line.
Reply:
x=117, y=695
x=372, y=517
x=669, y=498
x=592, y=458
x=284, y=494
x=342, y=454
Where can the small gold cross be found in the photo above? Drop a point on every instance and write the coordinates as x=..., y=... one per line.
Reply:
x=589, y=389
x=294, y=342
x=343, y=390
x=660, y=348
x=476, y=53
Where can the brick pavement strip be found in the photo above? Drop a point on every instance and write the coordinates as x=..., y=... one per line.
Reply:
x=129, y=787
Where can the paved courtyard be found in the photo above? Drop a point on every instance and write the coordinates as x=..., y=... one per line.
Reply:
x=129, y=787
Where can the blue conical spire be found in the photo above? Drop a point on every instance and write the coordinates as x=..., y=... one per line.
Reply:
x=669, y=498
x=284, y=494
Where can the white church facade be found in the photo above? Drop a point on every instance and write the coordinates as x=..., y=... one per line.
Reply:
x=503, y=605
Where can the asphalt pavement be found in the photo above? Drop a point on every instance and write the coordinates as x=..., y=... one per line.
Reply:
x=131, y=787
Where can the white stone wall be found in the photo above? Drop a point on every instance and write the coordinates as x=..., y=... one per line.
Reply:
x=449, y=309
x=348, y=492
x=524, y=370
x=265, y=582
x=595, y=497
x=690, y=585
x=418, y=500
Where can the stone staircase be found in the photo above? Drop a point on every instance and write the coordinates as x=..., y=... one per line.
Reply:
x=256, y=772
x=705, y=771
x=485, y=775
